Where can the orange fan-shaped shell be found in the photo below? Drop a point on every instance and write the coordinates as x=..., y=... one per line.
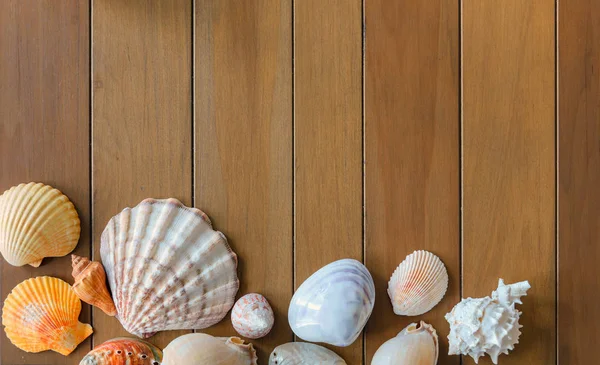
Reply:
x=41, y=314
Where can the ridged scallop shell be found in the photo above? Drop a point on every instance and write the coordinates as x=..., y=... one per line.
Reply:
x=302, y=353
x=200, y=349
x=90, y=284
x=414, y=345
x=36, y=221
x=41, y=314
x=124, y=351
x=418, y=284
x=252, y=316
x=167, y=268
x=333, y=304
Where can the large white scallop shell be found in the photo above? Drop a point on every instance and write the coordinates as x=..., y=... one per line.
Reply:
x=333, y=304
x=203, y=349
x=252, y=316
x=418, y=284
x=487, y=325
x=302, y=353
x=414, y=345
x=167, y=268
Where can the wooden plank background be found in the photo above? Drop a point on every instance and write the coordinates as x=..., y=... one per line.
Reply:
x=311, y=131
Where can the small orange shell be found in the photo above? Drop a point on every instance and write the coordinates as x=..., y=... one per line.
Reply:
x=90, y=284
x=41, y=314
x=123, y=351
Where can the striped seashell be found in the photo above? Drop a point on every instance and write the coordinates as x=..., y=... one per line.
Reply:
x=302, y=353
x=252, y=316
x=123, y=351
x=418, y=284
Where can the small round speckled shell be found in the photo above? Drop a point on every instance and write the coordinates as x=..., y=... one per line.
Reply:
x=252, y=316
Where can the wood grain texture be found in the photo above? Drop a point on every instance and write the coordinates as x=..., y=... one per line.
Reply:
x=328, y=139
x=579, y=181
x=243, y=154
x=44, y=129
x=509, y=162
x=141, y=115
x=412, y=152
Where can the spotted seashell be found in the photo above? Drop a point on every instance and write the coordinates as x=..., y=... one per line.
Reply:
x=252, y=316
x=124, y=351
x=302, y=353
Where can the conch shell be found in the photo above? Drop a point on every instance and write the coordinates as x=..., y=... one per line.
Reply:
x=414, y=345
x=167, y=268
x=36, y=221
x=124, y=351
x=252, y=316
x=418, y=284
x=302, y=353
x=41, y=314
x=487, y=325
x=200, y=348
x=90, y=284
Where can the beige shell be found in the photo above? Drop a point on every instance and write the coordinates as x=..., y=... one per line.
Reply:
x=167, y=268
x=200, y=348
x=414, y=345
x=36, y=221
x=418, y=284
x=303, y=353
x=252, y=316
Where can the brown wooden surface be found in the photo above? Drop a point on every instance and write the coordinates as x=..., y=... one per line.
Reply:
x=142, y=143
x=44, y=129
x=328, y=139
x=412, y=152
x=243, y=154
x=579, y=181
x=509, y=162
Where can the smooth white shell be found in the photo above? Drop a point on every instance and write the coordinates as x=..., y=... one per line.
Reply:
x=167, y=268
x=252, y=316
x=487, y=325
x=334, y=304
x=302, y=353
x=418, y=284
x=203, y=349
x=412, y=346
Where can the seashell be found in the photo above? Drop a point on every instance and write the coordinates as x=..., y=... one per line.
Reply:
x=418, y=284
x=124, y=351
x=90, y=284
x=167, y=268
x=36, y=221
x=414, y=345
x=200, y=348
x=41, y=314
x=487, y=325
x=333, y=304
x=252, y=316
x=302, y=353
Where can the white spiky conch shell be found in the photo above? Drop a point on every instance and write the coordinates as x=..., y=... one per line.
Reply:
x=414, y=345
x=487, y=325
x=167, y=268
x=252, y=316
x=36, y=221
x=418, y=284
x=303, y=353
x=200, y=348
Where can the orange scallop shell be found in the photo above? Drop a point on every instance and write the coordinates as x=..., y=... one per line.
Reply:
x=123, y=351
x=90, y=284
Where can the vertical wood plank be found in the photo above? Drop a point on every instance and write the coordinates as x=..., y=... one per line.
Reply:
x=509, y=162
x=328, y=139
x=412, y=152
x=243, y=154
x=579, y=181
x=44, y=129
x=141, y=115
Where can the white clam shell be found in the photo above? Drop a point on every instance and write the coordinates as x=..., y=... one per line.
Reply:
x=334, y=304
x=201, y=349
x=418, y=284
x=414, y=345
x=167, y=268
x=487, y=325
x=252, y=316
x=301, y=353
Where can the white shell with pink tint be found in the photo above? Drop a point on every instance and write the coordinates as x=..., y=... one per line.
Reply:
x=252, y=316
